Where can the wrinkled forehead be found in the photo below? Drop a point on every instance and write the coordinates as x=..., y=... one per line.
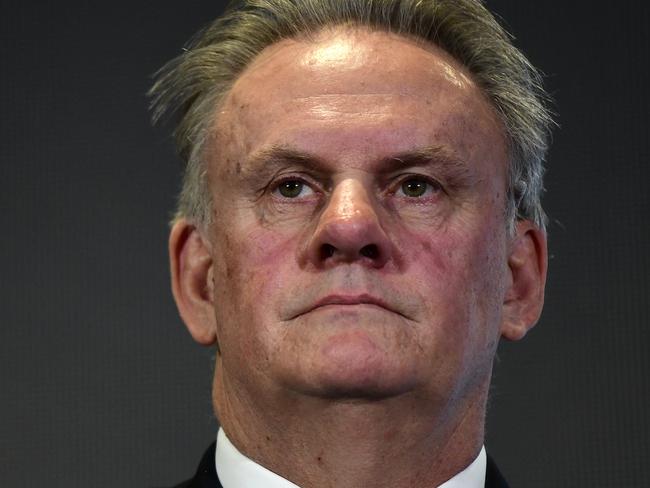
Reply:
x=358, y=60
x=357, y=78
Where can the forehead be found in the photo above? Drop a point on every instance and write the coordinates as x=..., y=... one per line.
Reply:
x=369, y=89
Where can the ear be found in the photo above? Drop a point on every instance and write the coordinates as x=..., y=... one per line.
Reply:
x=191, y=273
x=527, y=264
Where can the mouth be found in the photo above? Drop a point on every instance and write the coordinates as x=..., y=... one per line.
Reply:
x=345, y=300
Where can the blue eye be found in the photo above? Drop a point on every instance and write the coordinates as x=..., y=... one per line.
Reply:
x=293, y=189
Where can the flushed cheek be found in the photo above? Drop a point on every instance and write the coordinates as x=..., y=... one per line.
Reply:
x=454, y=270
x=246, y=309
x=459, y=293
x=258, y=264
x=434, y=255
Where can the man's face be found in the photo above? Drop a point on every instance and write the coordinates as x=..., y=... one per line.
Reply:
x=359, y=245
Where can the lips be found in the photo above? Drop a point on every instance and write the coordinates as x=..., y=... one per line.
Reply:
x=350, y=300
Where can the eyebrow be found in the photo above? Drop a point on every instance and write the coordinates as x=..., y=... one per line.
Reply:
x=438, y=156
x=270, y=160
x=279, y=156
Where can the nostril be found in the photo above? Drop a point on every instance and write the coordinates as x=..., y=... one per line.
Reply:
x=327, y=251
x=370, y=251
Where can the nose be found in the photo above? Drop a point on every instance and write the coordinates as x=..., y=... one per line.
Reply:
x=349, y=230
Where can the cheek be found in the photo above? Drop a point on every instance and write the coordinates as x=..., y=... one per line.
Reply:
x=248, y=276
x=252, y=268
x=459, y=282
x=460, y=273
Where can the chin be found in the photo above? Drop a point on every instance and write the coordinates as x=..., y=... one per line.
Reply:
x=353, y=365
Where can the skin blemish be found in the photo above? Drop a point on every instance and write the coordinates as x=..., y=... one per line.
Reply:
x=261, y=216
x=389, y=435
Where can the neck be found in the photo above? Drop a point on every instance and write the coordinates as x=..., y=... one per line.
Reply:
x=317, y=442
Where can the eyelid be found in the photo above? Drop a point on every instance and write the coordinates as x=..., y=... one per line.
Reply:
x=274, y=185
x=430, y=180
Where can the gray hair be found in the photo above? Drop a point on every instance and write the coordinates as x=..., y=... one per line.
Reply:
x=193, y=84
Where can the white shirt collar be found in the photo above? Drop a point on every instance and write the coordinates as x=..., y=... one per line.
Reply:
x=473, y=476
x=238, y=471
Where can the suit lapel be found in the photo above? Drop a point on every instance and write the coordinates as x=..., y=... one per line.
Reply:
x=206, y=474
x=493, y=477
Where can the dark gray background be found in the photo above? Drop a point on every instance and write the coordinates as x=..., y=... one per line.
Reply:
x=101, y=384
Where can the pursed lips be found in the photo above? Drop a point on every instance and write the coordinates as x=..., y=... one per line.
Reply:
x=350, y=300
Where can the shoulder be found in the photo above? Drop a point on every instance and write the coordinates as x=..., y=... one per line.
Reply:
x=206, y=474
x=493, y=477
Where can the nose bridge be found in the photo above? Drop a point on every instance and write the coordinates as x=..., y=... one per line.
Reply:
x=350, y=203
x=349, y=228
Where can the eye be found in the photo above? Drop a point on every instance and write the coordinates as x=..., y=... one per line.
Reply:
x=293, y=189
x=417, y=188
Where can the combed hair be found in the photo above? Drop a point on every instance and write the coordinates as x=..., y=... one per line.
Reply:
x=192, y=85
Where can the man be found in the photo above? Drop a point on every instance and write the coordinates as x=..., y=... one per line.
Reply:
x=359, y=224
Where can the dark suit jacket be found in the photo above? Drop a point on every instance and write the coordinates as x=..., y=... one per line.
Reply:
x=206, y=475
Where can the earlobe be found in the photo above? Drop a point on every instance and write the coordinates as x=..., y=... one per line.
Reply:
x=527, y=264
x=191, y=276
